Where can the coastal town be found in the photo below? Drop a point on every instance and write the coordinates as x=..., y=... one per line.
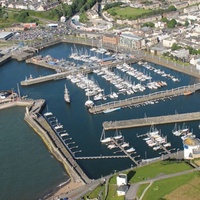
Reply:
x=119, y=61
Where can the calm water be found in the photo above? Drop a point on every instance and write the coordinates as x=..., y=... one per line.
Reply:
x=25, y=175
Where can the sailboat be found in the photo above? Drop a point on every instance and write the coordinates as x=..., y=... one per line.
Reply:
x=48, y=113
x=103, y=138
x=89, y=103
x=66, y=95
x=118, y=135
x=175, y=131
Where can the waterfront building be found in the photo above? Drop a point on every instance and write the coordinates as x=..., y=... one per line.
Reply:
x=131, y=41
x=110, y=39
x=191, y=148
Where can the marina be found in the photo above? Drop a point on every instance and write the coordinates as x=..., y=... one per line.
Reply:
x=93, y=123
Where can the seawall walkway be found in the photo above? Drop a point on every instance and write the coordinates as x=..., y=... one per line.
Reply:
x=148, y=121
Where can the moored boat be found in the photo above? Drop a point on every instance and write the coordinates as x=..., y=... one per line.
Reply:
x=130, y=150
x=66, y=95
x=188, y=92
x=111, y=110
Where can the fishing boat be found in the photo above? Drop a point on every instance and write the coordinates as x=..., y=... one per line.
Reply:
x=66, y=95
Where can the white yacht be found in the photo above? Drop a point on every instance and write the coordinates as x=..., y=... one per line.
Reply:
x=66, y=95
x=130, y=150
x=89, y=103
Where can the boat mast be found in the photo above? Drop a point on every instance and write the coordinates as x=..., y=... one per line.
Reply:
x=102, y=135
x=18, y=91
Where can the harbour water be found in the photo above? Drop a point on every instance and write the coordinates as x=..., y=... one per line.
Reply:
x=28, y=168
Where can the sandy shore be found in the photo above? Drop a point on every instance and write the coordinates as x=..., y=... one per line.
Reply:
x=63, y=190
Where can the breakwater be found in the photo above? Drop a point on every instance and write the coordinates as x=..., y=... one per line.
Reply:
x=44, y=130
x=5, y=58
x=56, y=147
x=148, y=121
x=144, y=98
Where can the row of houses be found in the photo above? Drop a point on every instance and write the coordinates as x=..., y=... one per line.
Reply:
x=30, y=5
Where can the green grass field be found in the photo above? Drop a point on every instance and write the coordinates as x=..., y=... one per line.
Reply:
x=112, y=194
x=96, y=191
x=155, y=169
x=127, y=12
x=141, y=189
x=161, y=188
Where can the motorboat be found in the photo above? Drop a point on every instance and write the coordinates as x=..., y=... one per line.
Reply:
x=130, y=150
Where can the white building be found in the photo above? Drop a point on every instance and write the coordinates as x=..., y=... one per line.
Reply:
x=122, y=189
x=198, y=64
x=122, y=184
x=63, y=19
x=191, y=148
x=168, y=42
x=121, y=179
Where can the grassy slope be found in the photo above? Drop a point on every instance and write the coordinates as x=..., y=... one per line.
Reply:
x=128, y=11
x=155, y=169
x=161, y=188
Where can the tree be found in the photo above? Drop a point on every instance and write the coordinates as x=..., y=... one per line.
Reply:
x=171, y=8
x=172, y=23
x=175, y=47
x=164, y=19
x=186, y=23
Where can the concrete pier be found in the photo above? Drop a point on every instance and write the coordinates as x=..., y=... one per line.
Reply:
x=57, y=76
x=148, y=121
x=5, y=58
x=49, y=137
x=144, y=98
x=54, y=144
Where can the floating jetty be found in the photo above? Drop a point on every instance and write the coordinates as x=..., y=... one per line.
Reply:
x=148, y=121
x=144, y=98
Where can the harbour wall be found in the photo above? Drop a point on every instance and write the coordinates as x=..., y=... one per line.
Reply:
x=144, y=98
x=15, y=103
x=148, y=121
x=5, y=58
x=49, y=137
x=53, y=143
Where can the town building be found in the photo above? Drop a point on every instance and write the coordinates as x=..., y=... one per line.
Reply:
x=110, y=39
x=5, y=35
x=131, y=41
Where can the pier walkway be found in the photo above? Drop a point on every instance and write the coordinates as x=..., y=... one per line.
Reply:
x=75, y=169
x=148, y=121
x=125, y=152
x=57, y=76
x=144, y=98
x=100, y=157
x=64, y=71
